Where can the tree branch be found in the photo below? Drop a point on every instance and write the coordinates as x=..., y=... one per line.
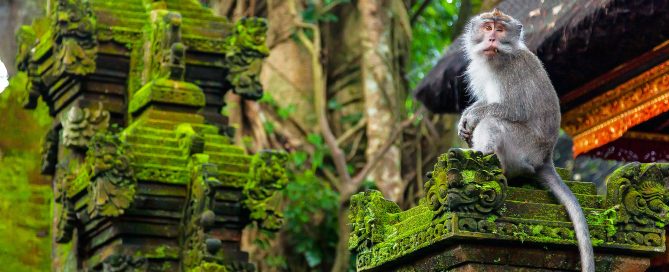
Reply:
x=360, y=177
x=320, y=95
x=420, y=10
x=349, y=133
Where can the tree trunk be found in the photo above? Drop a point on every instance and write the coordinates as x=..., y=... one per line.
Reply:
x=382, y=93
x=343, y=256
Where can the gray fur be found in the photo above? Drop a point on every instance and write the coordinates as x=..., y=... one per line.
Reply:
x=521, y=122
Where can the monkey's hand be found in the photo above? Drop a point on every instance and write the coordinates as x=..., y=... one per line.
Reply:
x=466, y=128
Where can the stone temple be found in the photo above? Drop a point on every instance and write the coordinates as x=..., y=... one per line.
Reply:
x=145, y=176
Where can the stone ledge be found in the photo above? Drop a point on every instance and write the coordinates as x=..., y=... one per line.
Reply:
x=467, y=202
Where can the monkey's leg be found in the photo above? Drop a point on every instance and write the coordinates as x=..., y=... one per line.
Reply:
x=516, y=146
x=485, y=137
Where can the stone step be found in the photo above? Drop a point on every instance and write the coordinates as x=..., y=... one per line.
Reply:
x=227, y=158
x=581, y=187
x=222, y=149
x=215, y=138
x=577, y=187
x=166, y=160
x=232, y=168
x=540, y=211
x=543, y=196
x=150, y=131
x=176, y=117
x=152, y=140
x=157, y=150
x=172, y=125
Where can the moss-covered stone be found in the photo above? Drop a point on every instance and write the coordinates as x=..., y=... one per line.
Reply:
x=170, y=187
x=629, y=220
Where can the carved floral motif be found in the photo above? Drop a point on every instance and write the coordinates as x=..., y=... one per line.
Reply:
x=79, y=125
x=368, y=215
x=123, y=263
x=112, y=183
x=268, y=175
x=75, y=41
x=638, y=192
x=245, y=49
x=466, y=181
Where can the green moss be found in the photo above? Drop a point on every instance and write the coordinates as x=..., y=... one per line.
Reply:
x=209, y=267
x=608, y=218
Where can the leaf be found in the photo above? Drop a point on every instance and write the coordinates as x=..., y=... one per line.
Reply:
x=333, y=104
x=299, y=157
x=313, y=258
x=352, y=118
x=269, y=127
x=285, y=112
x=315, y=139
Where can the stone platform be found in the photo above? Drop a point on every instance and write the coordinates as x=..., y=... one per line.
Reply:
x=472, y=219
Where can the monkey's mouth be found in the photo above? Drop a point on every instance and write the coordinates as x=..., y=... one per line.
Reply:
x=490, y=51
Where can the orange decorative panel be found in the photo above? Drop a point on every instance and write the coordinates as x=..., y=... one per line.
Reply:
x=608, y=116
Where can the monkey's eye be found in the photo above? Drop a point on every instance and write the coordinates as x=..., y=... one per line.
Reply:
x=488, y=27
x=500, y=29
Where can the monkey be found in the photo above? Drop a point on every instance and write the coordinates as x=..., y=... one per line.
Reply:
x=516, y=112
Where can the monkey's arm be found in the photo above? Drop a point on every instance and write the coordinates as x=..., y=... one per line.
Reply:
x=477, y=104
x=512, y=114
x=464, y=128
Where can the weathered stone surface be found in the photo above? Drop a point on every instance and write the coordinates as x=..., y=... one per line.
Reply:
x=147, y=178
x=471, y=220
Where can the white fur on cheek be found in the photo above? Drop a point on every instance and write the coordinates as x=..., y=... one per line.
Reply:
x=483, y=84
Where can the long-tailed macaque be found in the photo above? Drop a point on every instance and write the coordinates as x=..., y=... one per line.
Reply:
x=516, y=113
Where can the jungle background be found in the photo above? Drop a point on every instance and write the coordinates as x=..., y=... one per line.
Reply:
x=338, y=84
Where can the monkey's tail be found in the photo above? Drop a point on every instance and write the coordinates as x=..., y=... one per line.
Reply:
x=553, y=181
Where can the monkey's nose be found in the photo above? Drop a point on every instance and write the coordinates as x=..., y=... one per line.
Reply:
x=491, y=39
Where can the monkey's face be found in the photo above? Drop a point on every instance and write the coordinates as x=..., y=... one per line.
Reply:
x=493, y=34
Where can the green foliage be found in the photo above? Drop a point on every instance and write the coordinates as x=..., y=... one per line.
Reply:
x=320, y=11
x=25, y=243
x=311, y=218
x=24, y=208
x=432, y=33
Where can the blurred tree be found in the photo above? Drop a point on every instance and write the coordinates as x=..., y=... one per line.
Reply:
x=26, y=195
x=337, y=96
x=13, y=14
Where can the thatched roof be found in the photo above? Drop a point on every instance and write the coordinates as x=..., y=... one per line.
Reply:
x=577, y=40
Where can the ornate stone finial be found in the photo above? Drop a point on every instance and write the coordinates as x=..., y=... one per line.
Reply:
x=464, y=180
x=199, y=247
x=245, y=50
x=268, y=175
x=189, y=140
x=112, y=182
x=173, y=63
x=79, y=125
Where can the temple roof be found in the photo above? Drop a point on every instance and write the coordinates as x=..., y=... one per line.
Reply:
x=576, y=40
